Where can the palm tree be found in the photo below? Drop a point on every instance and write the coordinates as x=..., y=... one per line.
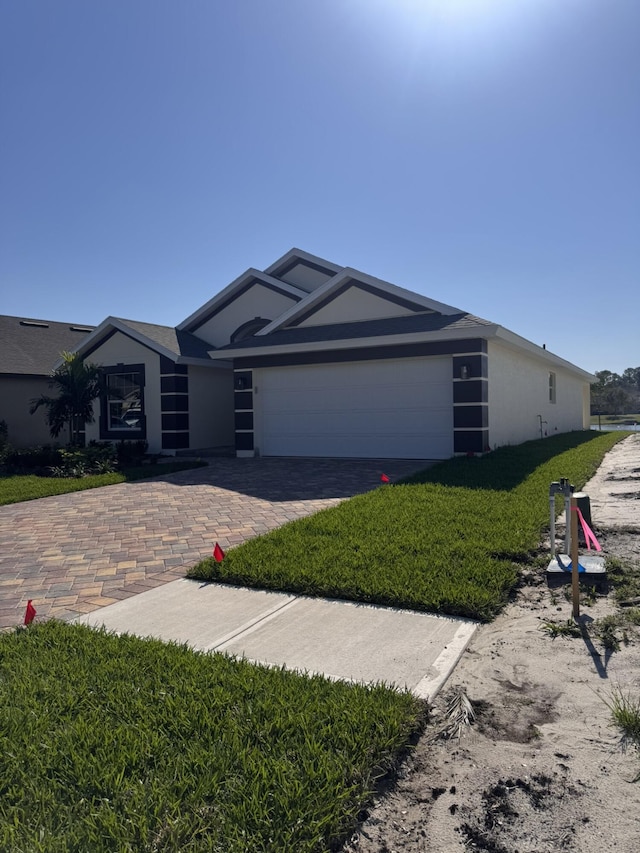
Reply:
x=78, y=385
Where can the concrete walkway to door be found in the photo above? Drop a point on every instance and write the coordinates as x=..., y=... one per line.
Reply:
x=75, y=553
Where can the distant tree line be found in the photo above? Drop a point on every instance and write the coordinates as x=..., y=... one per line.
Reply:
x=613, y=394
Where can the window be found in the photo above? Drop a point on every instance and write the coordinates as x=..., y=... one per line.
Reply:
x=552, y=387
x=122, y=407
x=247, y=330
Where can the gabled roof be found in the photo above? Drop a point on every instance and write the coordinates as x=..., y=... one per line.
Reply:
x=286, y=266
x=232, y=291
x=419, y=326
x=165, y=340
x=31, y=347
x=396, y=297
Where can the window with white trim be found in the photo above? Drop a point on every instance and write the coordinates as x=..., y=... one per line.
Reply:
x=552, y=387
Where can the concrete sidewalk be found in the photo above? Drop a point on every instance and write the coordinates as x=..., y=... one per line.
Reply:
x=342, y=640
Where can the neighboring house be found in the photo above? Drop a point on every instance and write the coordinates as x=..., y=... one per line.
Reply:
x=29, y=349
x=308, y=358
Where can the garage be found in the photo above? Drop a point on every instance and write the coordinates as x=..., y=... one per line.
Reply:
x=394, y=408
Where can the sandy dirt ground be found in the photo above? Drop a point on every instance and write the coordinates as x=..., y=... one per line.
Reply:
x=541, y=768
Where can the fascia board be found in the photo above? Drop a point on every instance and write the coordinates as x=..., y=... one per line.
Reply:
x=396, y=290
x=87, y=342
x=237, y=284
x=205, y=362
x=516, y=342
x=357, y=343
x=144, y=340
x=114, y=324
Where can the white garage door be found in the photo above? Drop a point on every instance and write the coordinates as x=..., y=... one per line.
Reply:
x=399, y=408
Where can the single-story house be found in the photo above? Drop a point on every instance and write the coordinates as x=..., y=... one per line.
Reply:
x=29, y=349
x=310, y=358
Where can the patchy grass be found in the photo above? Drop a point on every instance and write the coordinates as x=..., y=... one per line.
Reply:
x=116, y=743
x=567, y=628
x=448, y=540
x=16, y=488
x=625, y=579
x=625, y=715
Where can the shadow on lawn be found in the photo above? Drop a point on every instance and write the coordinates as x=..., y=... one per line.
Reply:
x=502, y=469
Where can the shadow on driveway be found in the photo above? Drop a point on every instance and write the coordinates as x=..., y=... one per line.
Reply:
x=301, y=479
x=74, y=553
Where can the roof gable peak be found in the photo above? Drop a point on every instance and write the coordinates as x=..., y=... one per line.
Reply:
x=228, y=293
x=400, y=300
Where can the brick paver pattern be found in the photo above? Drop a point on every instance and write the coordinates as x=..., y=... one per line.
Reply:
x=75, y=553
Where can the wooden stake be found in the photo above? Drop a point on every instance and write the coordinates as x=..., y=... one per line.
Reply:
x=575, y=585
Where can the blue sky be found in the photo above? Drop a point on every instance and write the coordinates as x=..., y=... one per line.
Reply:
x=482, y=152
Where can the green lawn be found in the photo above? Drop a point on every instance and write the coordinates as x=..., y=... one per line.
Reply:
x=121, y=744
x=449, y=540
x=14, y=489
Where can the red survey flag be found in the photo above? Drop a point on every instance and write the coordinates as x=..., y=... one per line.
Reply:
x=30, y=613
x=385, y=479
x=218, y=554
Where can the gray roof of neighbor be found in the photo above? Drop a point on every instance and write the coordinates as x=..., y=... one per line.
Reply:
x=32, y=347
x=421, y=322
x=177, y=342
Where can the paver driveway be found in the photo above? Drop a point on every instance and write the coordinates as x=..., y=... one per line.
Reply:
x=74, y=553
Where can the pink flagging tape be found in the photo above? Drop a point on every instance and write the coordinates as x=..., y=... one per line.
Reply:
x=589, y=536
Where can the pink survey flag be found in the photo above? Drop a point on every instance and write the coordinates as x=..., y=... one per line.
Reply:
x=589, y=535
x=30, y=613
x=384, y=479
x=218, y=554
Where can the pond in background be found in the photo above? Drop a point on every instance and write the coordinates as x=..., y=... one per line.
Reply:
x=613, y=427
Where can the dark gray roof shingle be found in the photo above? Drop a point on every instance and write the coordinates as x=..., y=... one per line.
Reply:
x=32, y=347
x=177, y=342
x=414, y=323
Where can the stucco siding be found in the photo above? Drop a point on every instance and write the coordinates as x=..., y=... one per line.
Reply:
x=353, y=305
x=120, y=349
x=519, y=394
x=210, y=408
x=25, y=430
x=257, y=301
x=304, y=277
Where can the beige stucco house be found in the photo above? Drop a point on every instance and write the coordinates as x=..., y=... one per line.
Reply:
x=310, y=358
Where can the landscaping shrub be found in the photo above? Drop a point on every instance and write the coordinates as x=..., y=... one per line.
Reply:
x=95, y=458
x=79, y=462
x=32, y=460
x=131, y=453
